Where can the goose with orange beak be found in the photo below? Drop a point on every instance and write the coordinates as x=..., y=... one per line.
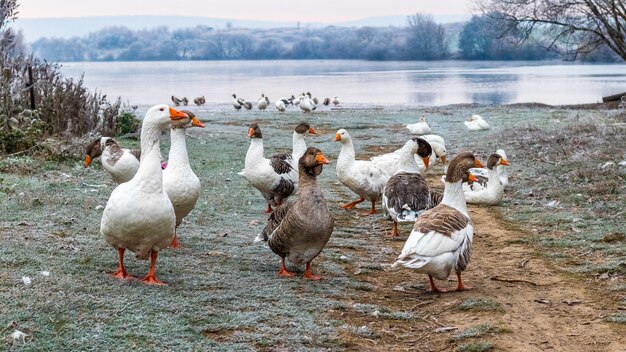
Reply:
x=180, y=182
x=441, y=240
x=407, y=194
x=299, y=229
x=120, y=163
x=139, y=216
x=363, y=177
x=275, y=178
x=489, y=189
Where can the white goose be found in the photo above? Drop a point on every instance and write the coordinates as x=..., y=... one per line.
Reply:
x=363, y=177
x=281, y=104
x=476, y=123
x=420, y=127
x=483, y=173
x=390, y=162
x=441, y=239
x=502, y=173
x=122, y=164
x=139, y=216
x=406, y=193
x=238, y=103
x=487, y=190
x=275, y=178
x=180, y=182
x=263, y=102
x=306, y=103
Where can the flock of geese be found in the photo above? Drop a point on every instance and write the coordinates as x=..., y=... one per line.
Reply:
x=305, y=101
x=152, y=198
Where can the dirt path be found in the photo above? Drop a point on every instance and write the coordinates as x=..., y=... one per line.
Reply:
x=539, y=308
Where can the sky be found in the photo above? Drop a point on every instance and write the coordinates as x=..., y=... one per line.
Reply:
x=322, y=11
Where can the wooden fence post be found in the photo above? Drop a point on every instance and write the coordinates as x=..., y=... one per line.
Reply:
x=31, y=86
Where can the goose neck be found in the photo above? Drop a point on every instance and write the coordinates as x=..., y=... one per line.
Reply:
x=454, y=197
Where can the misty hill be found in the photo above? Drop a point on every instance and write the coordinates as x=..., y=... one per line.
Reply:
x=36, y=28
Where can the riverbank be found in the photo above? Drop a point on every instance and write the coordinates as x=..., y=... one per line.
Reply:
x=548, y=267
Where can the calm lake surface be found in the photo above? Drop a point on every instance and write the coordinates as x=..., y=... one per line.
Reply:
x=355, y=82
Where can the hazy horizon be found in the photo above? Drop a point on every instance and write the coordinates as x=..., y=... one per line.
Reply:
x=322, y=11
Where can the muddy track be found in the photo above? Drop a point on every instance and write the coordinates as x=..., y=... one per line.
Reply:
x=532, y=306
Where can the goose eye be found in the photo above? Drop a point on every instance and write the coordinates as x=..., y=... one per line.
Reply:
x=161, y=109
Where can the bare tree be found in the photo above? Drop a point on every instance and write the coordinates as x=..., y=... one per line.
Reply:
x=575, y=26
x=426, y=39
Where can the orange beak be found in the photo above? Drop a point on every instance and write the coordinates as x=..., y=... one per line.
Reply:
x=337, y=137
x=87, y=160
x=426, y=160
x=478, y=163
x=321, y=159
x=196, y=122
x=250, y=132
x=503, y=162
x=312, y=130
x=443, y=159
x=177, y=115
x=472, y=178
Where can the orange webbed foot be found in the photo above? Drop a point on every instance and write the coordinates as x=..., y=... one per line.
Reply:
x=151, y=280
x=121, y=274
x=460, y=286
x=434, y=288
x=175, y=243
x=285, y=273
x=309, y=274
x=312, y=276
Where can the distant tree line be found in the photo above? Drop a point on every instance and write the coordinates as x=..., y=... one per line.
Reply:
x=421, y=39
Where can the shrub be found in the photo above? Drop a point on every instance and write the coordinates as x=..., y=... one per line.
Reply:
x=63, y=106
x=126, y=123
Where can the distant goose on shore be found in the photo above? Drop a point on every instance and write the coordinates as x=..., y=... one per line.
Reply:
x=281, y=105
x=307, y=104
x=185, y=101
x=335, y=101
x=476, y=123
x=263, y=102
x=420, y=127
x=237, y=103
x=176, y=101
x=326, y=101
x=199, y=100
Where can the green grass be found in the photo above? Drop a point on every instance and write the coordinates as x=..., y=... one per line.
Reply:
x=476, y=331
x=223, y=292
x=617, y=318
x=480, y=304
x=483, y=346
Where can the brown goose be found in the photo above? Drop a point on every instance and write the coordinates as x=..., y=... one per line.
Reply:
x=122, y=164
x=300, y=229
x=406, y=193
x=441, y=239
